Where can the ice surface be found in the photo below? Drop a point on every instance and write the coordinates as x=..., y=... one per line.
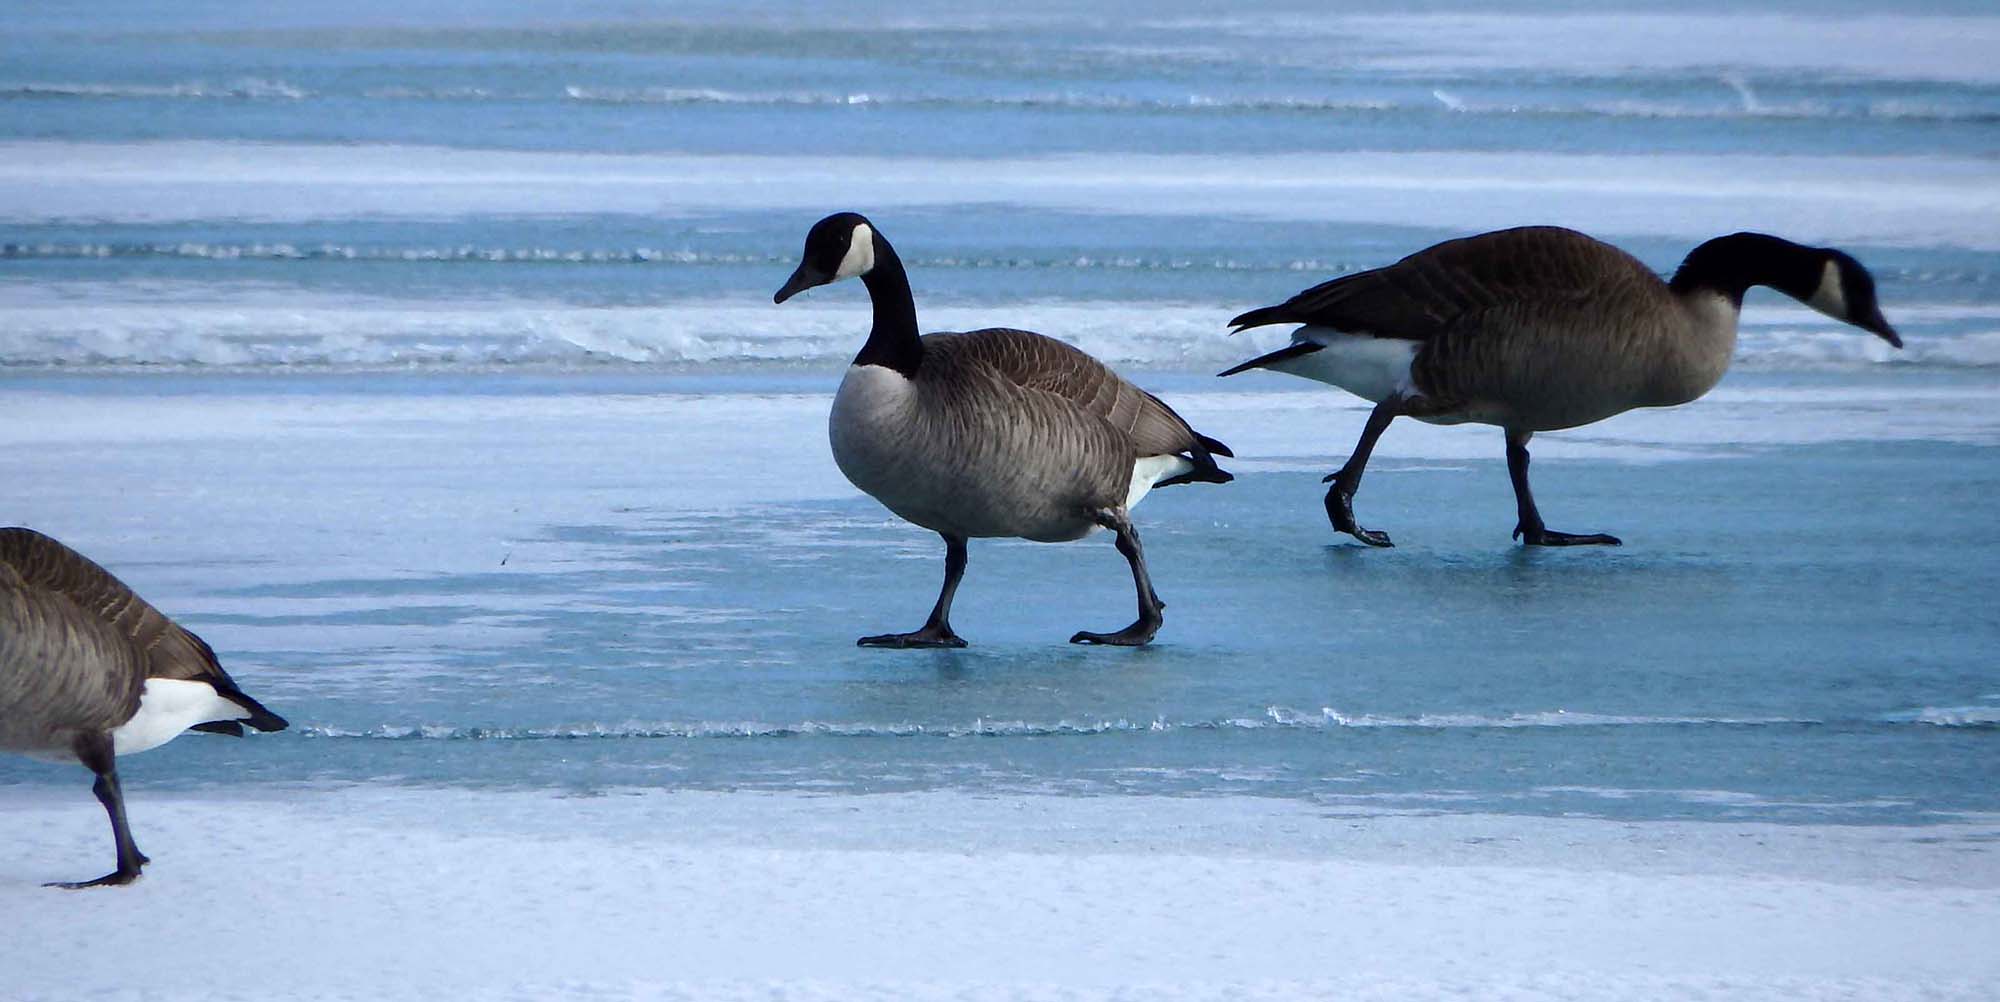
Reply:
x=1880, y=200
x=195, y=324
x=273, y=329
x=582, y=579
x=1931, y=48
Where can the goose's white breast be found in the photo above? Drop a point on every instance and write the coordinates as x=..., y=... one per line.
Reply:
x=870, y=429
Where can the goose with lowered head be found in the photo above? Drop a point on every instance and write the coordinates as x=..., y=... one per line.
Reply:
x=89, y=671
x=1538, y=329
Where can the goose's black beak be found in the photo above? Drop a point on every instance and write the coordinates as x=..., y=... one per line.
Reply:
x=804, y=278
x=1878, y=325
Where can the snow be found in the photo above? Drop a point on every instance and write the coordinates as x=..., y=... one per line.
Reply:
x=385, y=893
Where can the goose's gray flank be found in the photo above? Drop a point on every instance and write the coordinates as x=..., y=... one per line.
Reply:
x=90, y=671
x=1538, y=329
x=992, y=433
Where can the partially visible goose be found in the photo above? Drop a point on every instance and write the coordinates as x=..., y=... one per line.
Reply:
x=89, y=672
x=1537, y=329
x=993, y=432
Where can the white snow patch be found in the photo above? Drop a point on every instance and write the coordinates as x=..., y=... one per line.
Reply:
x=393, y=894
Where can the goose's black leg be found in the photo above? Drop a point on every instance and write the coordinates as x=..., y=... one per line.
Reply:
x=1150, y=605
x=1340, y=497
x=1530, y=530
x=95, y=752
x=936, y=631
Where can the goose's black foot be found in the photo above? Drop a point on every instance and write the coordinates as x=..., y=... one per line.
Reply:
x=929, y=636
x=1340, y=511
x=118, y=878
x=1550, y=537
x=1136, y=635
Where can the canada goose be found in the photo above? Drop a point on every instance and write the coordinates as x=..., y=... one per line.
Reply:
x=993, y=432
x=1537, y=329
x=89, y=671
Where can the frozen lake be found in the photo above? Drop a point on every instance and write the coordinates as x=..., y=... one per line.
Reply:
x=424, y=362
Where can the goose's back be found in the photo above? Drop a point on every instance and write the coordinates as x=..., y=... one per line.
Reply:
x=170, y=650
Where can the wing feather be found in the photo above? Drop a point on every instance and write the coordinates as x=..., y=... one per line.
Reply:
x=1432, y=293
x=62, y=669
x=1045, y=364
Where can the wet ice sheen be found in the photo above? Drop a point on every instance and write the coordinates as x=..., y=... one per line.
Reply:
x=580, y=581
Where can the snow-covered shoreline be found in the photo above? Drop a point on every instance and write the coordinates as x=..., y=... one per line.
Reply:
x=393, y=893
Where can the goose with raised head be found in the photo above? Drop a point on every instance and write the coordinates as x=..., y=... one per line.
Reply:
x=89, y=672
x=1539, y=329
x=992, y=433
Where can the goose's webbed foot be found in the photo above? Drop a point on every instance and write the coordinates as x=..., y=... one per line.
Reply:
x=1340, y=511
x=1150, y=606
x=936, y=631
x=116, y=878
x=1136, y=635
x=1541, y=536
x=932, y=635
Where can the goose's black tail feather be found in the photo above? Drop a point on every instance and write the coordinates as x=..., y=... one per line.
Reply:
x=1203, y=457
x=1212, y=475
x=1263, y=316
x=260, y=718
x=1293, y=350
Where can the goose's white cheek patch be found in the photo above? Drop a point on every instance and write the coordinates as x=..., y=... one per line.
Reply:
x=860, y=259
x=1828, y=298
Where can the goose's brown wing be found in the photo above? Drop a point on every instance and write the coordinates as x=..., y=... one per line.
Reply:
x=1043, y=363
x=62, y=669
x=1434, y=292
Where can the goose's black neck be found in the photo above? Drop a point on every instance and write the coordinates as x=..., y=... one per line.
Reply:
x=1731, y=265
x=893, y=342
